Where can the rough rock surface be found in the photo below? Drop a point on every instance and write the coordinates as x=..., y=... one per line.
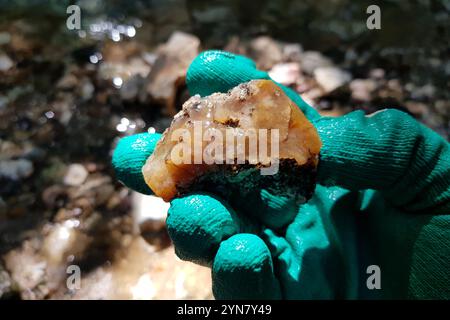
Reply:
x=170, y=68
x=231, y=119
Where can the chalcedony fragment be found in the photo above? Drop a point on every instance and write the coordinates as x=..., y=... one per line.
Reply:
x=251, y=138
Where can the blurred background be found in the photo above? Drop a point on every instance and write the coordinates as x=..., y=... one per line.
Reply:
x=67, y=96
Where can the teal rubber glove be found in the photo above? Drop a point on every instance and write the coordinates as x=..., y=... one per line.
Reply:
x=383, y=199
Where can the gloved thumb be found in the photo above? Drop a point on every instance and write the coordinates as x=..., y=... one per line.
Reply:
x=129, y=157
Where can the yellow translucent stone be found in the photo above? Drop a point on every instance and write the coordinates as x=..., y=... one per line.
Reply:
x=258, y=104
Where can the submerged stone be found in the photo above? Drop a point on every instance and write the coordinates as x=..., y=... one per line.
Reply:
x=251, y=138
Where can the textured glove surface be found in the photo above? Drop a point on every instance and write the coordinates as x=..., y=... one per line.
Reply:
x=385, y=200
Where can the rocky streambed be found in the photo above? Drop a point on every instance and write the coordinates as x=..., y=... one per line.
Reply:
x=66, y=99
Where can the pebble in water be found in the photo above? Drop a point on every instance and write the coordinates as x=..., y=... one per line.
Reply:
x=76, y=175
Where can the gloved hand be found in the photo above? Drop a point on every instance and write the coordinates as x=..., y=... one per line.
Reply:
x=383, y=199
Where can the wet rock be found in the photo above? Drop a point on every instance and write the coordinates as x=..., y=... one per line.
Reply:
x=108, y=71
x=67, y=82
x=305, y=84
x=9, y=150
x=33, y=153
x=331, y=78
x=140, y=272
x=92, y=167
x=6, y=284
x=5, y=62
x=139, y=66
x=235, y=45
x=53, y=172
x=377, y=74
x=5, y=38
x=119, y=52
x=96, y=190
x=169, y=70
x=55, y=196
x=64, y=108
x=131, y=88
x=393, y=90
x=423, y=93
x=311, y=60
x=443, y=108
x=119, y=73
x=28, y=270
x=149, y=58
x=292, y=52
x=103, y=194
x=417, y=109
x=312, y=95
x=16, y=169
x=64, y=239
x=286, y=73
x=149, y=212
x=65, y=214
x=3, y=102
x=119, y=200
x=177, y=279
x=76, y=175
x=266, y=52
x=362, y=89
x=87, y=89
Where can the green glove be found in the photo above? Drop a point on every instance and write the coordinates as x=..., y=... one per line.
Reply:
x=383, y=199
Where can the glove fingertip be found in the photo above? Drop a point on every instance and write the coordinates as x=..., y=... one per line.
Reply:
x=130, y=156
x=197, y=224
x=243, y=269
x=219, y=71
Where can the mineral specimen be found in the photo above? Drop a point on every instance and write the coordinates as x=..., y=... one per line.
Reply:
x=221, y=143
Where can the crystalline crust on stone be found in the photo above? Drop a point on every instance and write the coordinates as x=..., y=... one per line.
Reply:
x=258, y=104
